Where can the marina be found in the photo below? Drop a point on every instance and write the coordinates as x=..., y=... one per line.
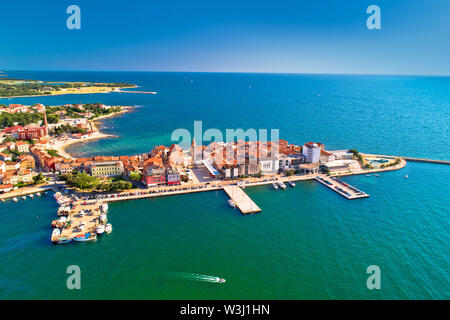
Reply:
x=343, y=188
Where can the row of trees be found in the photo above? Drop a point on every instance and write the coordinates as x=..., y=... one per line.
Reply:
x=86, y=182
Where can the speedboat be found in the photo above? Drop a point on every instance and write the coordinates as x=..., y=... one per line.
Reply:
x=221, y=280
x=406, y=176
x=282, y=185
x=292, y=184
x=231, y=203
x=275, y=186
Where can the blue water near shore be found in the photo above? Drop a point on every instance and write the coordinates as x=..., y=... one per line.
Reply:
x=307, y=243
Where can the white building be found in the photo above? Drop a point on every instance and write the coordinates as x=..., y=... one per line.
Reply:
x=269, y=165
x=311, y=152
x=342, y=154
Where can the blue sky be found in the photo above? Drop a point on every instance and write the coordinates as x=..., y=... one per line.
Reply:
x=321, y=36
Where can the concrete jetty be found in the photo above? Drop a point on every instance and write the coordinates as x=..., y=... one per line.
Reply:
x=241, y=199
x=344, y=189
x=426, y=160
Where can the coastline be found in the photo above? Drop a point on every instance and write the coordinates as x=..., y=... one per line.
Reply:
x=95, y=135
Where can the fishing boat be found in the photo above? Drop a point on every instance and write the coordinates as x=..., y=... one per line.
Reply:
x=64, y=240
x=15, y=199
x=55, y=235
x=100, y=229
x=108, y=228
x=282, y=185
x=292, y=184
x=232, y=203
x=89, y=236
x=275, y=186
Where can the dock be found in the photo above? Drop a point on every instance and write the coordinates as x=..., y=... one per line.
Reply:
x=342, y=188
x=241, y=199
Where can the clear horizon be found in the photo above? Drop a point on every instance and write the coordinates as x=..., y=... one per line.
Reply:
x=291, y=37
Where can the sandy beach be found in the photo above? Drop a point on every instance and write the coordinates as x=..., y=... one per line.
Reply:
x=61, y=144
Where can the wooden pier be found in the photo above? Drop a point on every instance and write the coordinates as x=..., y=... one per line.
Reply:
x=344, y=189
x=241, y=199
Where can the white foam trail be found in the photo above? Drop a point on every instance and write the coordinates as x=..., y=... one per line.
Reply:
x=195, y=277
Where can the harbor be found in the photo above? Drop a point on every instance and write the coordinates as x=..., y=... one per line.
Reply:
x=79, y=220
x=342, y=188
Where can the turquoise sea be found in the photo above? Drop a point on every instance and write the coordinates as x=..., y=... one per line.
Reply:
x=307, y=243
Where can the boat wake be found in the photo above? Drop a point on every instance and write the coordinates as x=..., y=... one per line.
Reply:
x=196, y=277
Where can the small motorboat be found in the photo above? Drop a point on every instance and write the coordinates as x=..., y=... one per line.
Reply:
x=275, y=186
x=100, y=229
x=3, y=200
x=108, y=228
x=376, y=175
x=232, y=203
x=221, y=280
x=55, y=235
x=31, y=196
x=15, y=199
x=292, y=184
x=406, y=176
x=24, y=198
x=64, y=240
x=38, y=194
x=282, y=185
x=103, y=218
x=367, y=175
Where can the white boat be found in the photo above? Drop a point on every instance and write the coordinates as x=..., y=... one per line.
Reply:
x=24, y=198
x=104, y=207
x=232, y=203
x=406, y=176
x=108, y=228
x=15, y=199
x=275, y=186
x=282, y=185
x=103, y=218
x=55, y=235
x=292, y=184
x=31, y=196
x=38, y=194
x=3, y=200
x=100, y=229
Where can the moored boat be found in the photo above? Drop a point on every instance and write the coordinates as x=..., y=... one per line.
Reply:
x=275, y=186
x=103, y=218
x=24, y=198
x=55, y=235
x=64, y=240
x=31, y=196
x=100, y=229
x=282, y=185
x=292, y=184
x=89, y=236
x=232, y=203
x=15, y=199
x=108, y=228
